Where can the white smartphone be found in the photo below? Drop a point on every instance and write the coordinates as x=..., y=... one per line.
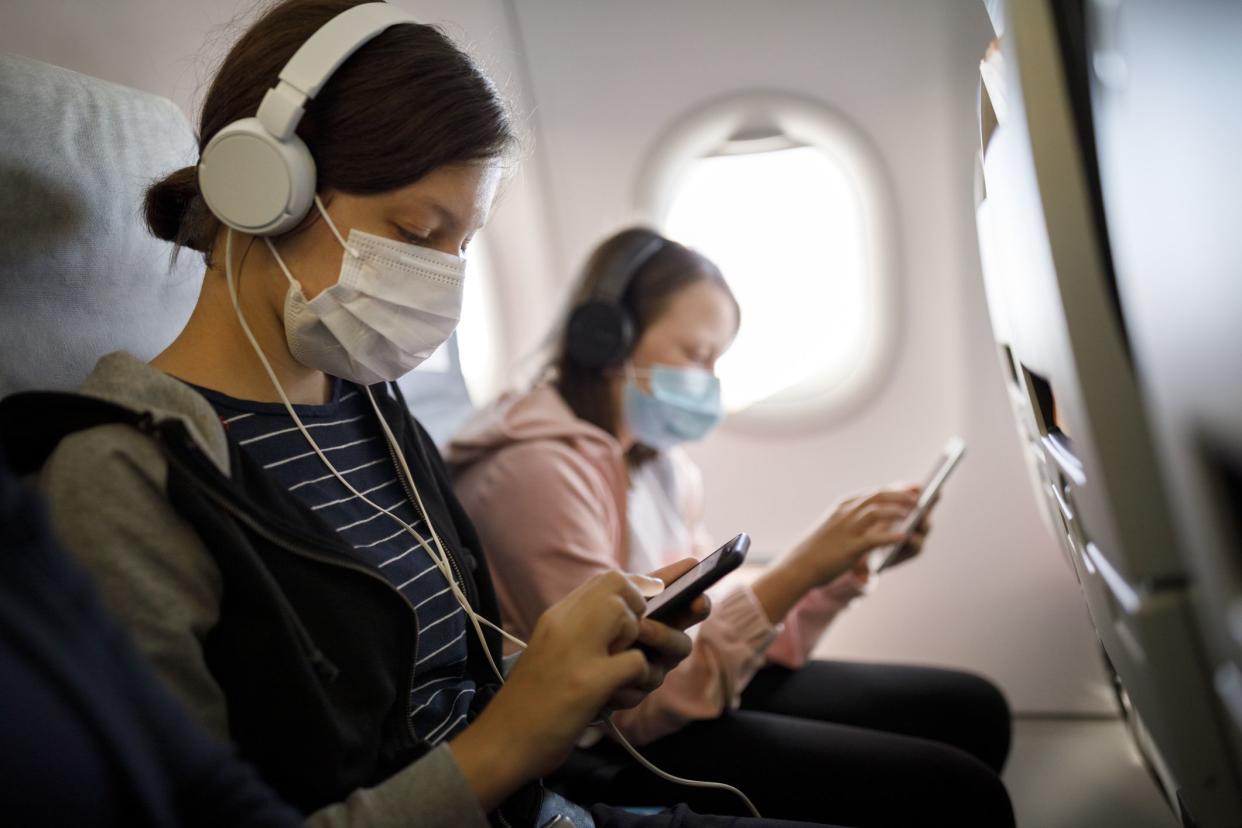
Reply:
x=889, y=556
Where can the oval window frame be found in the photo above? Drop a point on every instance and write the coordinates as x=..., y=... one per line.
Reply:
x=699, y=133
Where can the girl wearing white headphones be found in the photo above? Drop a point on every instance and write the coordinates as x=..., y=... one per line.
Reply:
x=275, y=529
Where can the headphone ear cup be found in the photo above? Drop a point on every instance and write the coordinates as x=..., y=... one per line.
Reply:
x=253, y=181
x=599, y=334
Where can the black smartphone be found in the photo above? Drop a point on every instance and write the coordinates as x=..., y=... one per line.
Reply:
x=677, y=596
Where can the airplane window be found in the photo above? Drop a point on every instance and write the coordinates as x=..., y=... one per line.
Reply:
x=478, y=334
x=785, y=226
x=439, y=362
x=792, y=201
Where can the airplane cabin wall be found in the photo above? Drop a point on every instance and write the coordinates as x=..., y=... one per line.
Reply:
x=993, y=593
x=598, y=83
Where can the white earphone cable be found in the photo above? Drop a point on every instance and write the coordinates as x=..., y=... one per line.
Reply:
x=678, y=780
x=438, y=556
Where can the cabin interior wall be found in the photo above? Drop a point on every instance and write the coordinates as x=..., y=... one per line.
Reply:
x=993, y=593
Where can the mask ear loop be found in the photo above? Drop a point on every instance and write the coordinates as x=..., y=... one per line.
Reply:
x=437, y=555
x=331, y=226
x=271, y=249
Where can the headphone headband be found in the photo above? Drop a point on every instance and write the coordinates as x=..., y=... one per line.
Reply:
x=600, y=331
x=318, y=58
x=613, y=284
x=324, y=51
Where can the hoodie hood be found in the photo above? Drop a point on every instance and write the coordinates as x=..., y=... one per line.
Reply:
x=539, y=414
x=122, y=378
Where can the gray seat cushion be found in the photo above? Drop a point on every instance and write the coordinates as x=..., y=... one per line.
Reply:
x=80, y=275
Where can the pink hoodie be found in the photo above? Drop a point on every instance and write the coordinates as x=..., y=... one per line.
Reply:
x=547, y=493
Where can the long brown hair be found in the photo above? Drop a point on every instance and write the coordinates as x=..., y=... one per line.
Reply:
x=589, y=392
x=404, y=104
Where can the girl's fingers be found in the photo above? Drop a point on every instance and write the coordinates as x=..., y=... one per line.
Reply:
x=665, y=643
x=879, y=514
x=620, y=584
x=626, y=698
x=673, y=571
x=882, y=537
x=889, y=497
x=646, y=585
x=624, y=629
x=625, y=669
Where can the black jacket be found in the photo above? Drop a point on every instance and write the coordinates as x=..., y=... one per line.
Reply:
x=319, y=714
x=90, y=736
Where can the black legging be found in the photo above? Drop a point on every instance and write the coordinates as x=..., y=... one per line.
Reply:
x=847, y=743
x=949, y=706
x=682, y=817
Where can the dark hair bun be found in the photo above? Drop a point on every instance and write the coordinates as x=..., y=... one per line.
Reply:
x=169, y=201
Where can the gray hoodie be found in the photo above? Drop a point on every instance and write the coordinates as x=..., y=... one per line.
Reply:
x=106, y=491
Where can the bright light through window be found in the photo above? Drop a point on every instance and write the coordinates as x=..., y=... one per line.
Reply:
x=478, y=339
x=477, y=334
x=787, y=229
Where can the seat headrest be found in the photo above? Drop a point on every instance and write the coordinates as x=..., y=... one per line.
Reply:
x=80, y=275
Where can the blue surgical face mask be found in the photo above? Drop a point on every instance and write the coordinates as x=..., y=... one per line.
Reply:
x=682, y=406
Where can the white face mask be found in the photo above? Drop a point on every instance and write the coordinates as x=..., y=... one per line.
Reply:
x=392, y=306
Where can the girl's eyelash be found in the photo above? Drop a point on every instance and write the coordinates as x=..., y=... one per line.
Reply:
x=412, y=238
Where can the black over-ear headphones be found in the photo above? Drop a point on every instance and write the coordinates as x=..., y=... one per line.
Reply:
x=600, y=331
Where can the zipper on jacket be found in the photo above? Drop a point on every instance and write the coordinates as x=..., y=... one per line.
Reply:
x=272, y=537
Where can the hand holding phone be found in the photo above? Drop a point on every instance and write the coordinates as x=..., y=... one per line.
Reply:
x=677, y=596
x=889, y=556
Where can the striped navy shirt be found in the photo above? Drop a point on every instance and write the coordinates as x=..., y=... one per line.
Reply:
x=348, y=433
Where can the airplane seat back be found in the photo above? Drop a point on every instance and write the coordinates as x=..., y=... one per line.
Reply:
x=1168, y=131
x=1064, y=345
x=82, y=276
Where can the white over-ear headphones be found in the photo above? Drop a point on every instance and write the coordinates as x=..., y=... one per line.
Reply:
x=255, y=174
